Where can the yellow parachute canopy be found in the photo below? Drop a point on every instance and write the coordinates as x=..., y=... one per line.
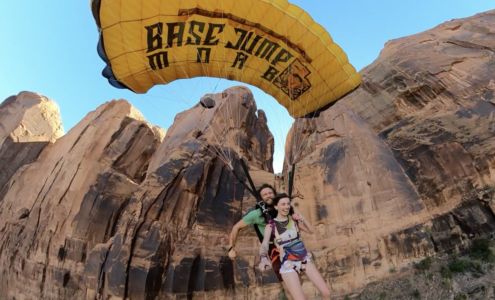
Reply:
x=271, y=44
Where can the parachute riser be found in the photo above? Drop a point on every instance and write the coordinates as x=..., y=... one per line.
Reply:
x=291, y=180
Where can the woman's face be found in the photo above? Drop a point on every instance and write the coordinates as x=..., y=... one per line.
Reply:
x=283, y=207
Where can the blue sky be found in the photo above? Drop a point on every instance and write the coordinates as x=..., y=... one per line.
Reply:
x=49, y=47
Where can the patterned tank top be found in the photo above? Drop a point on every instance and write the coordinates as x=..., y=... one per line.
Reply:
x=286, y=237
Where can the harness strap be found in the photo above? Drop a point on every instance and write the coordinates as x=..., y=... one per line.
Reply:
x=277, y=238
x=277, y=235
x=288, y=241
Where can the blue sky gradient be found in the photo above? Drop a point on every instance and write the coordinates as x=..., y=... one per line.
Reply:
x=49, y=47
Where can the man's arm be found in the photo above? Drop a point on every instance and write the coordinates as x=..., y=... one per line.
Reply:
x=233, y=237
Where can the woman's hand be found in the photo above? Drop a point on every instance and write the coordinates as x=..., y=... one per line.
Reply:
x=302, y=223
x=232, y=253
x=264, y=264
x=297, y=217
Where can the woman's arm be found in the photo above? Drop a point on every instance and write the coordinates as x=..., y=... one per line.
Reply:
x=303, y=224
x=266, y=241
x=265, y=262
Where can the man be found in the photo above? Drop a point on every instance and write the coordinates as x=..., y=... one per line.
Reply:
x=259, y=218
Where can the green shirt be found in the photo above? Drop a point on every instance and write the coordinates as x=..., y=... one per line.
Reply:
x=254, y=217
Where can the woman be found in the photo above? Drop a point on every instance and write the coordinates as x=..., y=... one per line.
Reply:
x=294, y=257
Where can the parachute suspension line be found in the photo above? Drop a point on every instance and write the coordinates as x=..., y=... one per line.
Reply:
x=223, y=49
x=214, y=150
x=218, y=154
x=124, y=41
x=297, y=140
x=291, y=18
x=225, y=153
x=234, y=112
x=181, y=96
x=259, y=202
x=216, y=131
x=201, y=26
x=228, y=114
x=218, y=149
x=251, y=188
x=308, y=116
x=330, y=61
x=152, y=98
x=303, y=135
x=216, y=85
x=250, y=180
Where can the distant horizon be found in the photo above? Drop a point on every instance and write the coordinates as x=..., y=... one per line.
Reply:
x=51, y=50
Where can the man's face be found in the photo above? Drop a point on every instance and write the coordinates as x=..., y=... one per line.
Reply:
x=267, y=195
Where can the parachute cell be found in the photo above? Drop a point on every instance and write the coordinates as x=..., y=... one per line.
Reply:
x=271, y=44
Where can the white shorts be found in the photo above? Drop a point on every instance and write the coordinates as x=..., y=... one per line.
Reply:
x=295, y=265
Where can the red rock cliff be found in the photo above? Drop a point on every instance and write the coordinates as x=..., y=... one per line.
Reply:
x=403, y=167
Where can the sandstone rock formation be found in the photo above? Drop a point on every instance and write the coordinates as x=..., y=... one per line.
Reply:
x=109, y=210
x=28, y=122
x=66, y=202
x=403, y=167
x=170, y=239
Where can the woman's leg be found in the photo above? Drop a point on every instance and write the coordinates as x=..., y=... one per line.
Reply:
x=315, y=277
x=293, y=285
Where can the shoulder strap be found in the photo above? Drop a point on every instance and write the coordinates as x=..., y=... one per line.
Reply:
x=258, y=233
x=275, y=230
x=255, y=226
x=291, y=221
